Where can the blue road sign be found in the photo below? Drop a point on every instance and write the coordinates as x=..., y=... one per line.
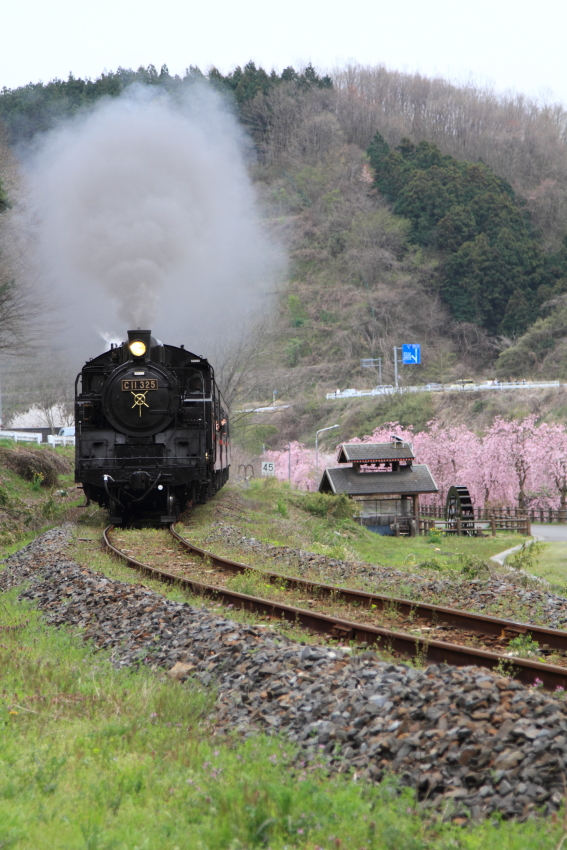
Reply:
x=411, y=354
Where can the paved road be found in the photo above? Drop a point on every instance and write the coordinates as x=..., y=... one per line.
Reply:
x=553, y=533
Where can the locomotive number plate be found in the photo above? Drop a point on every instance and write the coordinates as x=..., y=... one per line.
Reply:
x=140, y=385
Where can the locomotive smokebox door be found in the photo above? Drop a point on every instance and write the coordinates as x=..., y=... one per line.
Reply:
x=140, y=398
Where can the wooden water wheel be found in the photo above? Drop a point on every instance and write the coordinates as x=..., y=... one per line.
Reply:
x=459, y=506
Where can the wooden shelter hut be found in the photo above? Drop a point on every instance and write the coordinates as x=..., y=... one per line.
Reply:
x=384, y=482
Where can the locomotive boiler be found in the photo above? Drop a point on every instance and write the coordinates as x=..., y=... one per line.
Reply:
x=151, y=430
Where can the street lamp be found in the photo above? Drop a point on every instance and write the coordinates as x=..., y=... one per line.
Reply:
x=320, y=431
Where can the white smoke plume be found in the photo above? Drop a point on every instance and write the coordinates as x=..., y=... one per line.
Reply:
x=144, y=216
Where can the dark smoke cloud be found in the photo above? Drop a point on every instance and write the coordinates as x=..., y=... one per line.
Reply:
x=143, y=215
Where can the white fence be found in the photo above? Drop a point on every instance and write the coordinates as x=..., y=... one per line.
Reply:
x=21, y=436
x=495, y=386
x=60, y=441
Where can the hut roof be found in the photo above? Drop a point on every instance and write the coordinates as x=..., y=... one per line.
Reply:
x=374, y=452
x=406, y=481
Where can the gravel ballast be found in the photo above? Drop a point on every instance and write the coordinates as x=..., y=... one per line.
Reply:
x=493, y=594
x=469, y=741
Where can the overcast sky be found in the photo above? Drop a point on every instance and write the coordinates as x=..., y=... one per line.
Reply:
x=506, y=44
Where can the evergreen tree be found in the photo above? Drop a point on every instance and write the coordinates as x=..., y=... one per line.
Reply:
x=493, y=272
x=37, y=107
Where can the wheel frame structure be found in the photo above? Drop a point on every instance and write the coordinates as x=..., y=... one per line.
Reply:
x=459, y=506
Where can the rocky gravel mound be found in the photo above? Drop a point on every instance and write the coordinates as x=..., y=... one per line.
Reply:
x=483, y=595
x=469, y=742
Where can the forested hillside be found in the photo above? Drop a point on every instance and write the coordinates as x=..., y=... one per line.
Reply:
x=412, y=210
x=38, y=107
x=493, y=271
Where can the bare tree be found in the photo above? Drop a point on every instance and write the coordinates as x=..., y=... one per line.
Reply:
x=237, y=361
x=52, y=392
x=21, y=305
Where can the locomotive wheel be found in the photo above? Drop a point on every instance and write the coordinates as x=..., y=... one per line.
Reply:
x=171, y=505
x=115, y=512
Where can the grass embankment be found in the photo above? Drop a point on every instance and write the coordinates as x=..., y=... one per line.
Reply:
x=551, y=563
x=36, y=491
x=95, y=758
x=272, y=513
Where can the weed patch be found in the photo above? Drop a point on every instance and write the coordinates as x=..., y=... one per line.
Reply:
x=524, y=646
x=325, y=505
x=94, y=757
x=472, y=567
x=526, y=558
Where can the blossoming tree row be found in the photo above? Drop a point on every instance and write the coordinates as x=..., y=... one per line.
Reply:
x=519, y=463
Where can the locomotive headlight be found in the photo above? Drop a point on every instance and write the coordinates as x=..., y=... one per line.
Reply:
x=138, y=348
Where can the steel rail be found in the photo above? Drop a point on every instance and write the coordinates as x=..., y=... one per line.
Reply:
x=439, y=615
x=431, y=651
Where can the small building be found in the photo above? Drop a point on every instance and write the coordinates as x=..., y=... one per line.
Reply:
x=384, y=482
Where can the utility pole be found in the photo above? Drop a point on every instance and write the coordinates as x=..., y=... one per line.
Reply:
x=396, y=365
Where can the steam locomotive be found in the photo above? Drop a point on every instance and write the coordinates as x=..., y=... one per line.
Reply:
x=151, y=430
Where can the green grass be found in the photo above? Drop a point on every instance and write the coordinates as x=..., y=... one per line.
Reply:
x=27, y=508
x=93, y=758
x=269, y=511
x=409, y=552
x=551, y=563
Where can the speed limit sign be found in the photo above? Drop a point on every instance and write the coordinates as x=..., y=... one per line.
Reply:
x=268, y=468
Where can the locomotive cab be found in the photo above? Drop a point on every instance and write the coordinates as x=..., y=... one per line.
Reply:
x=147, y=443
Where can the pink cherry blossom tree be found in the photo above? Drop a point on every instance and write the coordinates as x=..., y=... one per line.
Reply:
x=513, y=448
x=518, y=462
x=553, y=448
x=298, y=464
x=452, y=456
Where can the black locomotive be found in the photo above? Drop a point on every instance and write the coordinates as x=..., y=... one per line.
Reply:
x=151, y=431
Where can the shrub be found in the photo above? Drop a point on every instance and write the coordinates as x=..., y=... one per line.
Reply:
x=472, y=567
x=432, y=564
x=524, y=646
x=325, y=505
x=526, y=558
x=35, y=465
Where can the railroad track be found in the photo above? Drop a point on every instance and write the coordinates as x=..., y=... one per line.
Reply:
x=433, y=651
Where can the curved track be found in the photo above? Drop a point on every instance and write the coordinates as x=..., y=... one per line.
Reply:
x=398, y=642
